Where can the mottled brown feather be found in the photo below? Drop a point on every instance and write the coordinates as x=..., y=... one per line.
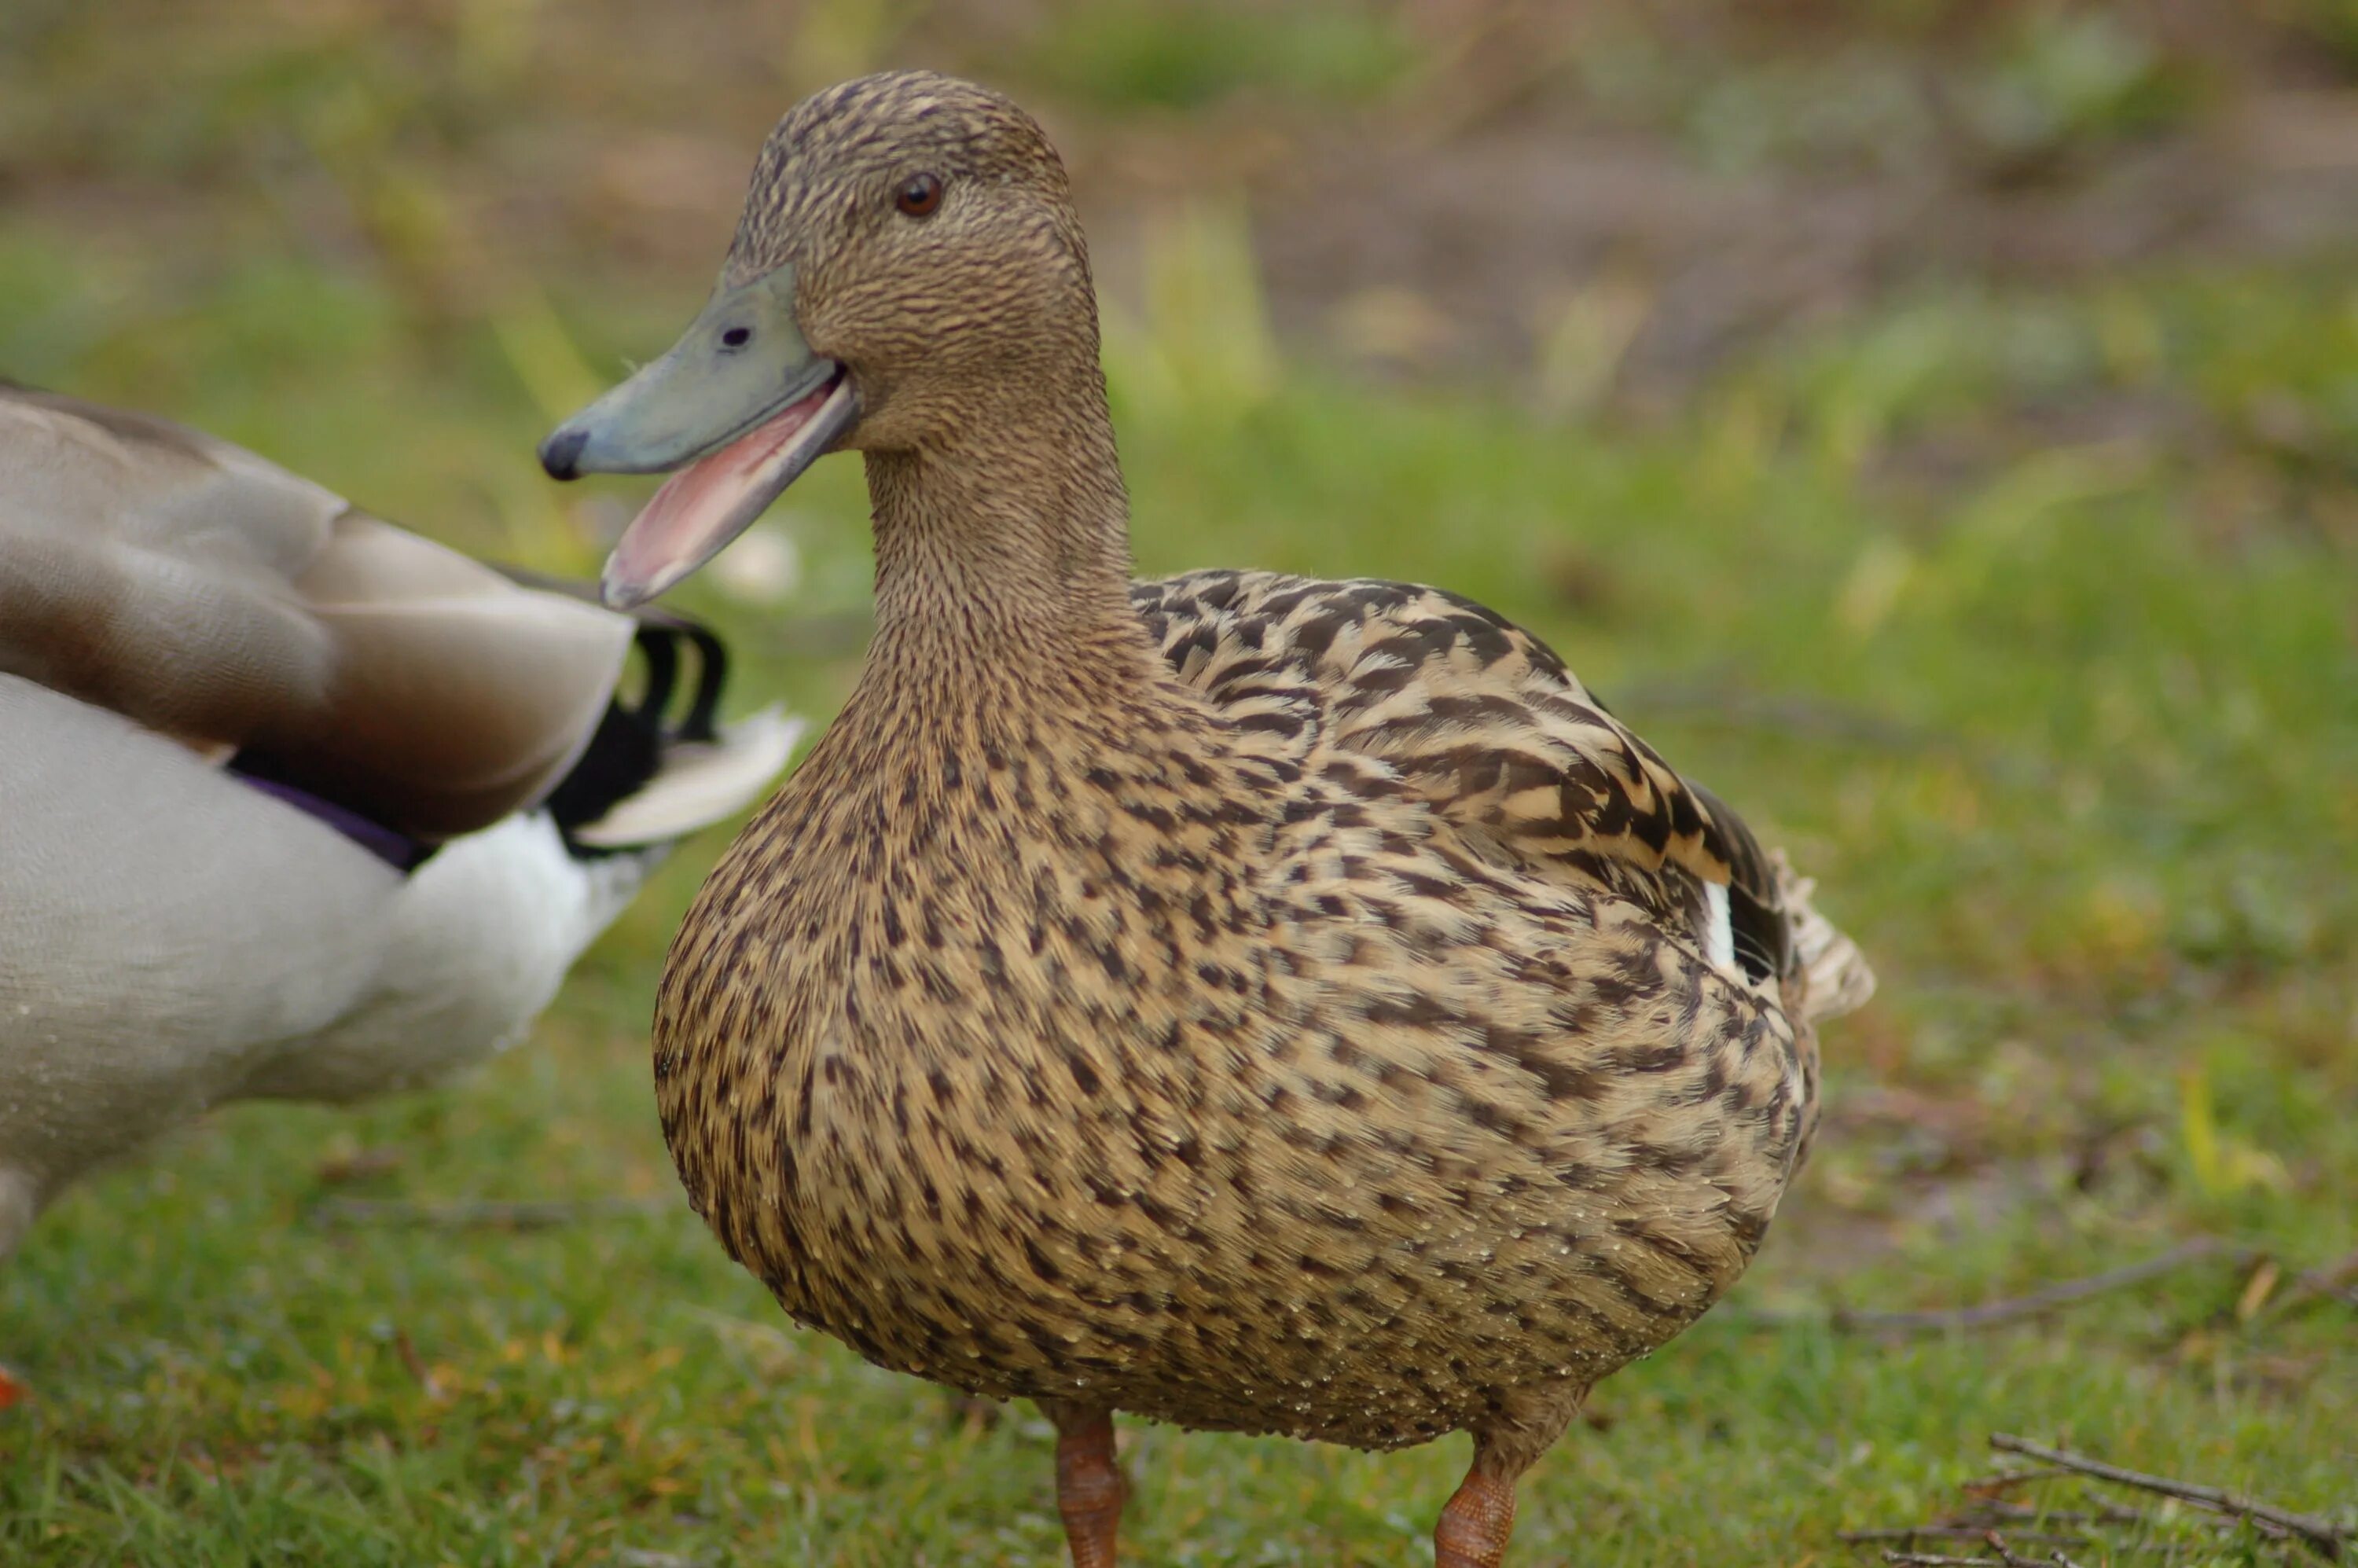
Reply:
x=1250, y=1001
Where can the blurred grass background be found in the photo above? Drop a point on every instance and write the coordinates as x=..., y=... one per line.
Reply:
x=1934, y=424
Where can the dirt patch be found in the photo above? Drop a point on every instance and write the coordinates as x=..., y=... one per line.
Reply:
x=1543, y=190
x=1488, y=244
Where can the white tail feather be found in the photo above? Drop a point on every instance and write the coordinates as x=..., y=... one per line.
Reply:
x=1838, y=978
x=698, y=784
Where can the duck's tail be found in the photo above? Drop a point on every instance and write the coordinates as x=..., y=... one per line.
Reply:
x=1836, y=976
x=698, y=782
x=650, y=775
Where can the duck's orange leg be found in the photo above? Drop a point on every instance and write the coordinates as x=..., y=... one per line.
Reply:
x=1480, y=1517
x=1089, y=1484
x=1476, y=1521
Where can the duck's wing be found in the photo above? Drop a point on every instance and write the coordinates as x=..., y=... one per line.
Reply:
x=1482, y=721
x=214, y=597
x=456, y=697
x=145, y=567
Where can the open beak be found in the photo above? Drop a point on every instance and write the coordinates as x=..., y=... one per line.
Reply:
x=740, y=406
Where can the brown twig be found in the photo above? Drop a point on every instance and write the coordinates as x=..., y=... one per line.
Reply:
x=2014, y=1309
x=2320, y=1535
x=2328, y=1281
x=528, y=1215
x=1992, y=1315
x=1981, y=1486
x=1935, y=1560
x=2006, y=1555
x=2105, y=1512
x=1951, y=1531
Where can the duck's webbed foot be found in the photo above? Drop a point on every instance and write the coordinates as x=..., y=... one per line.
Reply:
x=1090, y=1487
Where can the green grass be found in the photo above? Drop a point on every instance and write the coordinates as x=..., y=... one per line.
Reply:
x=2029, y=622
x=1132, y=55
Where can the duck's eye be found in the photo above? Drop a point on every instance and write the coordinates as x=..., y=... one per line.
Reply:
x=736, y=336
x=918, y=196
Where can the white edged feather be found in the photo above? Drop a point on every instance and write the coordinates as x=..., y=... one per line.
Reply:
x=699, y=784
x=1719, y=930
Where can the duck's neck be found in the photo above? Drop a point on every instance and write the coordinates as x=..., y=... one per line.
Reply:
x=1002, y=551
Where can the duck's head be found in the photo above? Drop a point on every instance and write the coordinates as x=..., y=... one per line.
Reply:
x=908, y=254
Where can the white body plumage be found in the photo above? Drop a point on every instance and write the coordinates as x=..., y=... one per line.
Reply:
x=173, y=935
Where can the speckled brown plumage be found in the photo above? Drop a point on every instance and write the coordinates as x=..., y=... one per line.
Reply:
x=1250, y=1002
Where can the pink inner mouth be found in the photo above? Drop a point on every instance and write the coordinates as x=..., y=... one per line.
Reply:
x=705, y=505
x=719, y=477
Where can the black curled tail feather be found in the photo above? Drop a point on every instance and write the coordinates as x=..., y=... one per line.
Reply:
x=627, y=750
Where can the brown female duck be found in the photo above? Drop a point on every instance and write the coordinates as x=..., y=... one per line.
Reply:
x=1252, y=1003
